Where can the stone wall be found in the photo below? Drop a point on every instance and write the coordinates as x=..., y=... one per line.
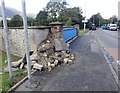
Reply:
x=17, y=43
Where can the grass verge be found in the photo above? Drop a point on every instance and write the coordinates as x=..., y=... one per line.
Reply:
x=17, y=75
x=82, y=32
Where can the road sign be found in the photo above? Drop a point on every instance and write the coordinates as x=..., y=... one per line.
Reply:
x=85, y=21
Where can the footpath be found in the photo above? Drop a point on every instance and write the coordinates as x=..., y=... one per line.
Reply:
x=90, y=71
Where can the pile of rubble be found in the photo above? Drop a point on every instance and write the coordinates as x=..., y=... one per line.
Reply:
x=46, y=57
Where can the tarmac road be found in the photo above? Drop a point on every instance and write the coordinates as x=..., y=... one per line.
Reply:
x=109, y=40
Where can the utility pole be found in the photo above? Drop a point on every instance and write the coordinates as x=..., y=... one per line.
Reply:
x=99, y=20
x=7, y=43
x=85, y=17
x=93, y=19
x=26, y=39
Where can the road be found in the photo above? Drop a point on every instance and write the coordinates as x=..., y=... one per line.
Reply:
x=109, y=40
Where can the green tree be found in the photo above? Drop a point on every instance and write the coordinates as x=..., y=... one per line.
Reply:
x=75, y=14
x=8, y=23
x=16, y=21
x=42, y=18
x=1, y=23
x=95, y=19
x=69, y=22
x=113, y=19
x=30, y=21
x=54, y=9
x=119, y=23
x=98, y=20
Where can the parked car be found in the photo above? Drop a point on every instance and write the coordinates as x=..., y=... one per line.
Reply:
x=113, y=27
x=92, y=28
x=105, y=27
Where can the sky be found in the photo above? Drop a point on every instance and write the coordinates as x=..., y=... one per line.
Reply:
x=107, y=8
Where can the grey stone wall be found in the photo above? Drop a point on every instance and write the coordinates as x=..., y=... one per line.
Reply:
x=17, y=42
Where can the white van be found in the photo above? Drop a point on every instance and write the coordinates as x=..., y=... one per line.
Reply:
x=113, y=27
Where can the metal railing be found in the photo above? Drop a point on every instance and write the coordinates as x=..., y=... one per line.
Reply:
x=7, y=41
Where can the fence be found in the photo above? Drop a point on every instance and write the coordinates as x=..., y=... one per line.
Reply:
x=69, y=33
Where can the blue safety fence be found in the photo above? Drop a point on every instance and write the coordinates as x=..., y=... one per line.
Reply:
x=69, y=33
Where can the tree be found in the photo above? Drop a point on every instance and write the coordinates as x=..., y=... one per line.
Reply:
x=119, y=23
x=75, y=14
x=42, y=18
x=58, y=11
x=1, y=23
x=16, y=21
x=95, y=19
x=54, y=9
x=98, y=20
x=8, y=23
x=113, y=19
x=30, y=21
x=69, y=22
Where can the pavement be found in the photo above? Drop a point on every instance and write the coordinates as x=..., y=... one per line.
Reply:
x=90, y=71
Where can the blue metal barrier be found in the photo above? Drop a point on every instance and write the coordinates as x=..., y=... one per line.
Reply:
x=69, y=33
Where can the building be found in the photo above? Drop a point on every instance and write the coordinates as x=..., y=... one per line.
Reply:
x=119, y=10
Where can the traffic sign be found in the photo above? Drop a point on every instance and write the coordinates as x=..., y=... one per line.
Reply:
x=85, y=21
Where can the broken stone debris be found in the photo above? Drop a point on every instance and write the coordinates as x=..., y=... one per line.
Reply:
x=46, y=57
x=38, y=66
x=13, y=69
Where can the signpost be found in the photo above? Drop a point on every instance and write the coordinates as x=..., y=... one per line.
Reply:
x=85, y=21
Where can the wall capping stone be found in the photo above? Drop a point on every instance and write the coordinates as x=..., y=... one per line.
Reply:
x=31, y=27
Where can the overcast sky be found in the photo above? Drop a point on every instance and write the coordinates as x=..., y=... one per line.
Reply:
x=107, y=8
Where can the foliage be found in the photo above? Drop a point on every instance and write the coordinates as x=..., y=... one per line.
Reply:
x=41, y=18
x=75, y=14
x=1, y=23
x=119, y=23
x=54, y=9
x=69, y=22
x=58, y=11
x=98, y=20
x=95, y=19
x=113, y=19
x=30, y=21
x=16, y=21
